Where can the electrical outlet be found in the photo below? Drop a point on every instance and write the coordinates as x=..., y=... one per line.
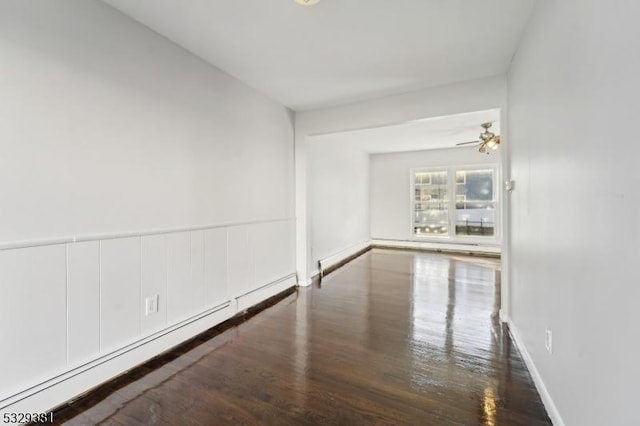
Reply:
x=548, y=341
x=151, y=304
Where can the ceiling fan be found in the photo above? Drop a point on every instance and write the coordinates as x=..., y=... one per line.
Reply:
x=488, y=141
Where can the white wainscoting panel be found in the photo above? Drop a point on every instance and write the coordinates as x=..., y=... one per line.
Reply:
x=180, y=288
x=119, y=292
x=240, y=261
x=83, y=301
x=33, y=316
x=57, y=393
x=197, y=271
x=154, y=282
x=215, y=265
x=274, y=250
x=86, y=301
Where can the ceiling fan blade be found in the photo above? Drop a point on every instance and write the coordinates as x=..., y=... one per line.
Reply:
x=466, y=143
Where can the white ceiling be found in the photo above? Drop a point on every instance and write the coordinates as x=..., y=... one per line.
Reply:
x=432, y=133
x=341, y=51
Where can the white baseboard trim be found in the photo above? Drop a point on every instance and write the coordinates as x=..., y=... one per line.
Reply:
x=343, y=254
x=550, y=406
x=256, y=296
x=73, y=383
x=466, y=248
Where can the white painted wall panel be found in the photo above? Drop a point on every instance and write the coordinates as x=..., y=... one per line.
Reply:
x=180, y=288
x=134, y=133
x=573, y=131
x=215, y=266
x=83, y=301
x=33, y=319
x=120, y=306
x=272, y=244
x=240, y=261
x=197, y=271
x=339, y=214
x=153, y=281
x=291, y=231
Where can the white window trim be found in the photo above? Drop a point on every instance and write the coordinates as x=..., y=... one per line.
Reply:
x=451, y=182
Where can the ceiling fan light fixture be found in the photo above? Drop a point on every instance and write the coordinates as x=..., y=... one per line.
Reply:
x=487, y=135
x=496, y=143
x=307, y=2
x=487, y=141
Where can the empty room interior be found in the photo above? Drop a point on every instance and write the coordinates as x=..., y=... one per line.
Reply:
x=319, y=212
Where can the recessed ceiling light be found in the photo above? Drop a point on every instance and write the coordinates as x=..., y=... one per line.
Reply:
x=307, y=2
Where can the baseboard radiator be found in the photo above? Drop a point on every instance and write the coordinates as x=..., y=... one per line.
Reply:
x=336, y=260
x=58, y=390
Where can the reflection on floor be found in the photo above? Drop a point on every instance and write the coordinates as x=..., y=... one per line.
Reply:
x=392, y=337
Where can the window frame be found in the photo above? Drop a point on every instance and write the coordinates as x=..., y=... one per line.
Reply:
x=451, y=237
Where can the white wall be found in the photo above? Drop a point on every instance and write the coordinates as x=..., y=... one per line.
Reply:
x=477, y=95
x=107, y=127
x=391, y=185
x=109, y=132
x=573, y=108
x=338, y=174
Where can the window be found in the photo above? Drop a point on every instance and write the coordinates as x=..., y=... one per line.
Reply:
x=458, y=202
x=431, y=204
x=475, y=206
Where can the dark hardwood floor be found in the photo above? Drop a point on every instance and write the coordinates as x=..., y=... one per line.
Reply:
x=392, y=337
